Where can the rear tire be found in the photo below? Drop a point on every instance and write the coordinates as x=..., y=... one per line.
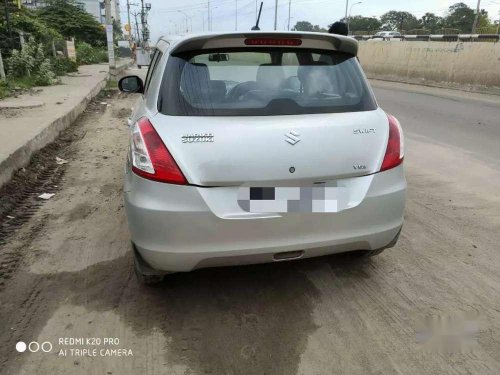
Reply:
x=147, y=280
x=372, y=253
x=139, y=66
x=368, y=253
x=144, y=273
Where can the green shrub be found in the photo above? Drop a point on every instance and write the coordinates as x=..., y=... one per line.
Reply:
x=21, y=63
x=4, y=89
x=102, y=55
x=86, y=54
x=45, y=76
x=31, y=62
x=62, y=65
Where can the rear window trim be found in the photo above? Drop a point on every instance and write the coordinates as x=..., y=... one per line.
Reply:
x=187, y=55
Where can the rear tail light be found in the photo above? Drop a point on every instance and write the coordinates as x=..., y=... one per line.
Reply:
x=394, y=153
x=292, y=42
x=151, y=158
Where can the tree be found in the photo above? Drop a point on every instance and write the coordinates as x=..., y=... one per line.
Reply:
x=461, y=17
x=396, y=20
x=23, y=20
x=70, y=20
x=360, y=23
x=431, y=22
x=117, y=30
x=307, y=26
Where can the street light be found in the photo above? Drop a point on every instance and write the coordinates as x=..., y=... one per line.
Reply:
x=202, y=19
x=498, y=25
x=212, y=17
x=185, y=15
x=349, y=15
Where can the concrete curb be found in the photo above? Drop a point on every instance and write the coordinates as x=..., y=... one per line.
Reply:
x=475, y=89
x=21, y=157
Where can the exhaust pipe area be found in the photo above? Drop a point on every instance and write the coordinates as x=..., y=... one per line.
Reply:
x=288, y=255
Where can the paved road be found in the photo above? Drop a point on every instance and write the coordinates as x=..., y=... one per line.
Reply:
x=66, y=273
x=450, y=117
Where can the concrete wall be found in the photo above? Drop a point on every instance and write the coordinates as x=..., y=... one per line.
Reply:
x=463, y=63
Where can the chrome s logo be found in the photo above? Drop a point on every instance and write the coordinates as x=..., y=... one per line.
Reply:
x=292, y=137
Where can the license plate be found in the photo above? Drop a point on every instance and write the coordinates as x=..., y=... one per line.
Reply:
x=292, y=199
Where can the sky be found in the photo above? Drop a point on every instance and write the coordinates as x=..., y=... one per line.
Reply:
x=169, y=16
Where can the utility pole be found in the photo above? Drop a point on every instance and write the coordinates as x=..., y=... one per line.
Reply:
x=401, y=24
x=236, y=17
x=187, y=20
x=476, y=19
x=21, y=39
x=203, y=20
x=289, y=11
x=135, y=14
x=107, y=12
x=109, y=36
x=346, y=7
x=142, y=22
x=209, y=20
x=129, y=24
x=7, y=17
x=2, y=70
x=275, y=14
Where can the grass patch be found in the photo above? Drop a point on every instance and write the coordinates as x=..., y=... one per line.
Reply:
x=16, y=86
x=111, y=84
x=4, y=89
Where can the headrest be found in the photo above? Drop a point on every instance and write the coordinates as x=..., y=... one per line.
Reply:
x=218, y=89
x=195, y=81
x=303, y=70
x=316, y=77
x=270, y=76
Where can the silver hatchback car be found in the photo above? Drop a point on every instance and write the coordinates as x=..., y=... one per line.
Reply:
x=258, y=147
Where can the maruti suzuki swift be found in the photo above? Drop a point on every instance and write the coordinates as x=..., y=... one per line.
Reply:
x=258, y=147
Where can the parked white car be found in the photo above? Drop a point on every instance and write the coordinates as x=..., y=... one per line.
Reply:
x=388, y=34
x=259, y=147
x=391, y=36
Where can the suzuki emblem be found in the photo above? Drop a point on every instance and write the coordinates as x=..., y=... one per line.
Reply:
x=292, y=137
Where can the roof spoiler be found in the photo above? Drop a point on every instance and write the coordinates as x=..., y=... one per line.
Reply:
x=309, y=40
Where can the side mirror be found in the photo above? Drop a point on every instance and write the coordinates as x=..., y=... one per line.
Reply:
x=131, y=84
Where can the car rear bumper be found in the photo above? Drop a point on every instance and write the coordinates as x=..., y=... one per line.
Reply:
x=174, y=229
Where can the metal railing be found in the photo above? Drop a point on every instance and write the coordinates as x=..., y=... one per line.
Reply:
x=435, y=37
x=418, y=32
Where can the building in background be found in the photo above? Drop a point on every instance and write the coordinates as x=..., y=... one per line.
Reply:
x=94, y=7
x=97, y=9
x=33, y=4
x=115, y=11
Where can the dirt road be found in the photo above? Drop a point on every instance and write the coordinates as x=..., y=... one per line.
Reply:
x=66, y=272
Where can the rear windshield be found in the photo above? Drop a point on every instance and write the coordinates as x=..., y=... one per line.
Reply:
x=253, y=82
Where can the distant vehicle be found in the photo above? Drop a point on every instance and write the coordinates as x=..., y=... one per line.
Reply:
x=143, y=56
x=387, y=35
x=258, y=147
